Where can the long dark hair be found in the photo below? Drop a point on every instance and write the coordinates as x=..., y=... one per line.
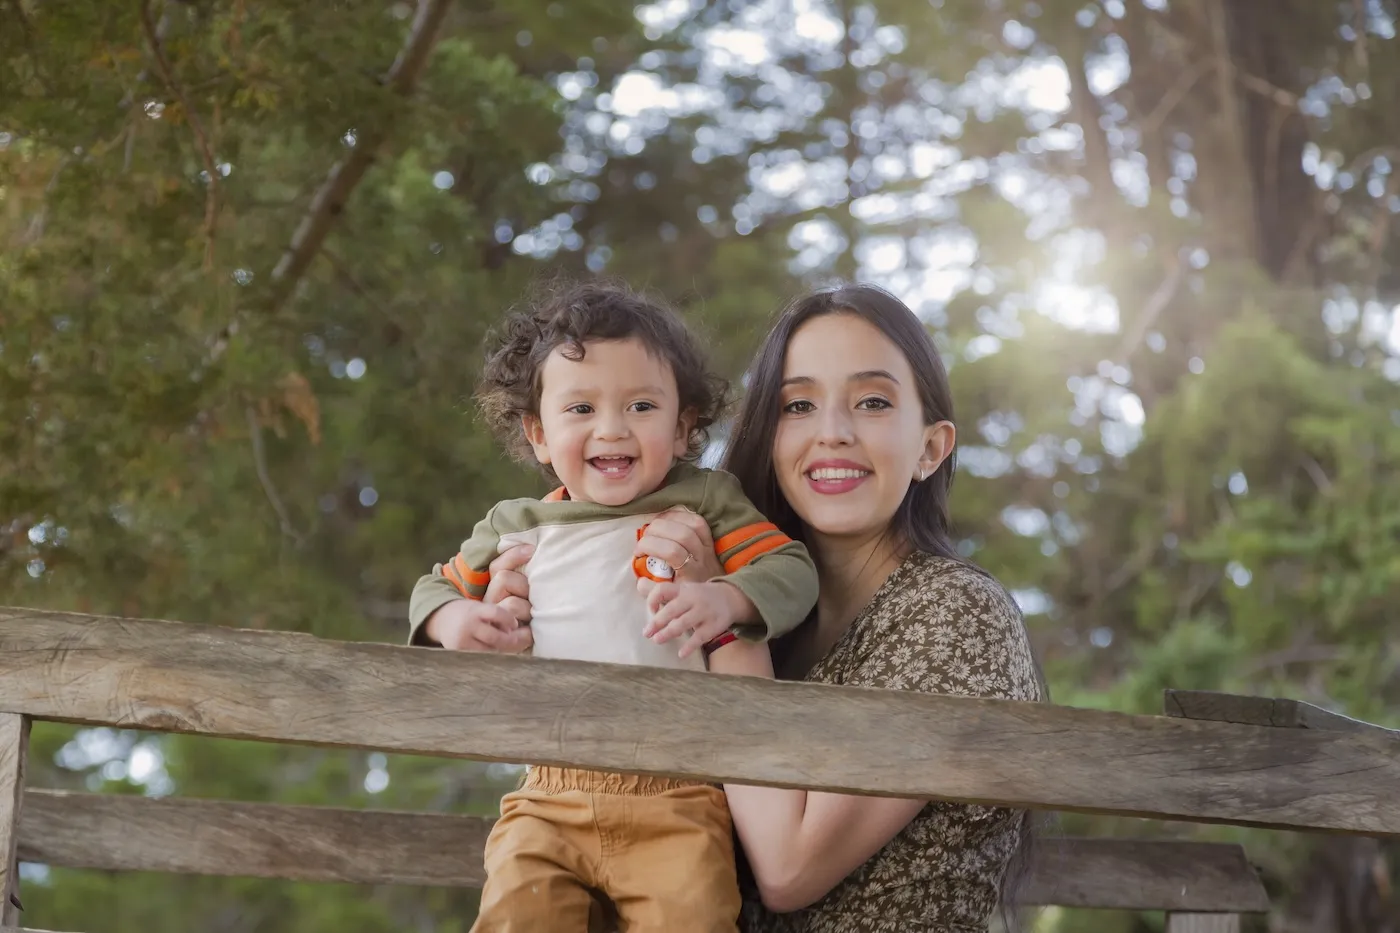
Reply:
x=921, y=523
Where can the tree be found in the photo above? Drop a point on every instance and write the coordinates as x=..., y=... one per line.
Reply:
x=219, y=407
x=1153, y=239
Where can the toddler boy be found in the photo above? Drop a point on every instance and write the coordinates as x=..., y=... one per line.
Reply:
x=610, y=394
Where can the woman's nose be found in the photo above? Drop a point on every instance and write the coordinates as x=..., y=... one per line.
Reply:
x=836, y=426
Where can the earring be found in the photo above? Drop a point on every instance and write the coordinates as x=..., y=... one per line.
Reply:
x=923, y=474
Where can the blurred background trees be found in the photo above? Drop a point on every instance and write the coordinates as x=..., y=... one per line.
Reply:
x=1153, y=237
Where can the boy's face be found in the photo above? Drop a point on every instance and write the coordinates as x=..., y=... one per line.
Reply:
x=610, y=424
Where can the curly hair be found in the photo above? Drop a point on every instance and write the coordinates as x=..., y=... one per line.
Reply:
x=569, y=315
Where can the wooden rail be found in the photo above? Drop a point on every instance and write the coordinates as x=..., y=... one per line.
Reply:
x=325, y=844
x=295, y=688
x=1214, y=758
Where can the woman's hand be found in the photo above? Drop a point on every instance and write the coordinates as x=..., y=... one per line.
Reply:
x=683, y=540
x=698, y=612
x=495, y=623
x=509, y=588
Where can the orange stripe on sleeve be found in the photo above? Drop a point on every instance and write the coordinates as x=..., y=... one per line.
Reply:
x=449, y=573
x=754, y=550
x=739, y=536
x=469, y=576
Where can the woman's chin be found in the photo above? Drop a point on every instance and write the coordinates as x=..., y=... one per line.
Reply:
x=841, y=522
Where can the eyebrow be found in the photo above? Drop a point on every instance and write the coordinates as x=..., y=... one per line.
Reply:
x=865, y=375
x=593, y=389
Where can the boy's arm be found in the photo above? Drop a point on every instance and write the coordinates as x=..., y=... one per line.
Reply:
x=775, y=572
x=465, y=576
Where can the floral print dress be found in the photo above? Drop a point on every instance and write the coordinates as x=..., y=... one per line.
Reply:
x=936, y=626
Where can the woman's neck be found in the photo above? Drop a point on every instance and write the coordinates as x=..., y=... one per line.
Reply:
x=851, y=571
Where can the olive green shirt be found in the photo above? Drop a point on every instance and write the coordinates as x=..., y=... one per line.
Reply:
x=584, y=597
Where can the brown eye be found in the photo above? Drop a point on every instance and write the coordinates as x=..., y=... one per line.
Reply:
x=798, y=407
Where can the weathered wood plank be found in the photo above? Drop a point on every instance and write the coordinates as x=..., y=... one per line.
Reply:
x=14, y=750
x=205, y=837
x=1203, y=923
x=209, y=837
x=1142, y=874
x=1263, y=711
x=295, y=688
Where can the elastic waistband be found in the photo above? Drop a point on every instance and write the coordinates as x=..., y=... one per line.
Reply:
x=556, y=780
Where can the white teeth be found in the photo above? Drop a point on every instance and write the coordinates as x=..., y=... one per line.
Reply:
x=827, y=473
x=612, y=464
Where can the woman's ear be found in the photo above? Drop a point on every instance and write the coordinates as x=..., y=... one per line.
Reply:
x=685, y=426
x=939, y=440
x=534, y=433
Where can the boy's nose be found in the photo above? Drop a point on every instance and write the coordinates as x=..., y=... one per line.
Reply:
x=610, y=427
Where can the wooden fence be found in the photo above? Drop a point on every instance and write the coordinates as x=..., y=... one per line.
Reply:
x=1214, y=758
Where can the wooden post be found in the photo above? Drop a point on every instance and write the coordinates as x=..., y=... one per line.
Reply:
x=14, y=747
x=1207, y=706
x=1203, y=923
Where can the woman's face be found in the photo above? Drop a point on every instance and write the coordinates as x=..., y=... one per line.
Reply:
x=851, y=436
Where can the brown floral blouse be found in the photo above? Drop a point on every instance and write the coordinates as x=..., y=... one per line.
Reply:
x=936, y=626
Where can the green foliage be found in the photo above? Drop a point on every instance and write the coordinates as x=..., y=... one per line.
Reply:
x=1167, y=334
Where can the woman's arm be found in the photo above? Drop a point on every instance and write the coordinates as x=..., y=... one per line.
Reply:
x=801, y=844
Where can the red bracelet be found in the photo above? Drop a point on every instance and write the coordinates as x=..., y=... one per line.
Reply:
x=718, y=642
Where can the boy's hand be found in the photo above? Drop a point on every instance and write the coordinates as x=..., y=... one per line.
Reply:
x=703, y=611
x=472, y=625
x=495, y=623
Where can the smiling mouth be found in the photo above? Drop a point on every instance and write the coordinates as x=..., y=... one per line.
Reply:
x=612, y=466
x=832, y=474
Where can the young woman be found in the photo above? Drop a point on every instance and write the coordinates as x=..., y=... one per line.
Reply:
x=845, y=441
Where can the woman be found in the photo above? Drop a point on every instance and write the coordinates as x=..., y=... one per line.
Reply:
x=845, y=440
